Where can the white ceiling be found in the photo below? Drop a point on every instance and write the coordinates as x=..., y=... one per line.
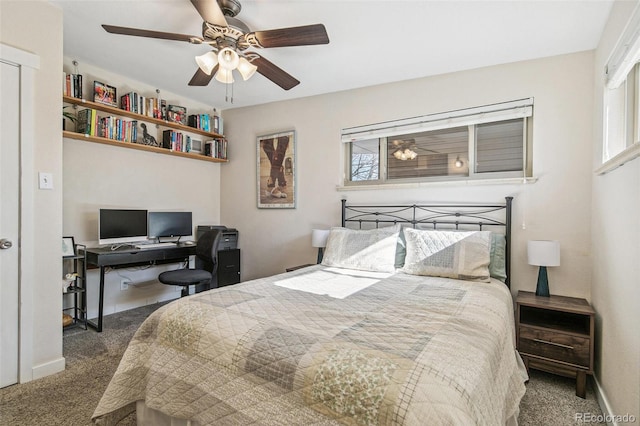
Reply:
x=371, y=42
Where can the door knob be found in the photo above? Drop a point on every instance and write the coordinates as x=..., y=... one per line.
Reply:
x=5, y=244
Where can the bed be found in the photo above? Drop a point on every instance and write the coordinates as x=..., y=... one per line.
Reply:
x=360, y=339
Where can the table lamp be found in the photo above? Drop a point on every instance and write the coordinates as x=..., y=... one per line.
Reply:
x=319, y=240
x=543, y=253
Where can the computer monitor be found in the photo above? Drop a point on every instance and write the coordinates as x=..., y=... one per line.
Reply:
x=117, y=226
x=170, y=224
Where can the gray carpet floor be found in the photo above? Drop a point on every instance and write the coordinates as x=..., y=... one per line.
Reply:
x=69, y=397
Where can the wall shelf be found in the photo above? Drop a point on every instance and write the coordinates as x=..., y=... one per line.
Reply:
x=146, y=119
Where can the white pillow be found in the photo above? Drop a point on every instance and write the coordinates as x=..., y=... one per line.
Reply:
x=368, y=250
x=461, y=255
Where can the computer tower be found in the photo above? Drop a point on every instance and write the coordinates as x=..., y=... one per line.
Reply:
x=228, y=255
x=228, y=267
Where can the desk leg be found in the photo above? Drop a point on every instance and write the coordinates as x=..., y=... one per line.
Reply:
x=101, y=300
x=98, y=325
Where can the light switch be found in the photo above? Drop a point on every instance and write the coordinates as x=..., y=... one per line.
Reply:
x=45, y=180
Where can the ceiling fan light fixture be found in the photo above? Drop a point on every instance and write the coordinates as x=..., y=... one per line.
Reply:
x=207, y=62
x=246, y=68
x=228, y=59
x=405, y=154
x=224, y=76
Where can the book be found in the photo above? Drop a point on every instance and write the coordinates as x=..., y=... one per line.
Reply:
x=163, y=109
x=216, y=148
x=73, y=85
x=83, y=121
x=78, y=85
x=173, y=140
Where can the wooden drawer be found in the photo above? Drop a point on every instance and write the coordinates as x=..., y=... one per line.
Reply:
x=555, y=346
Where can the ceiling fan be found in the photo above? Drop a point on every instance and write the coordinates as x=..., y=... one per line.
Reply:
x=230, y=39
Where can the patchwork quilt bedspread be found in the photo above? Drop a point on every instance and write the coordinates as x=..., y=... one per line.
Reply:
x=322, y=346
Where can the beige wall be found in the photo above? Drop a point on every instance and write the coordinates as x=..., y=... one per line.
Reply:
x=557, y=206
x=18, y=19
x=616, y=269
x=104, y=176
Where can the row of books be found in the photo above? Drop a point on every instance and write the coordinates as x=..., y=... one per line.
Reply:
x=147, y=106
x=216, y=148
x=204, y=122
x=90, y=123
x=177, y=141
x=150, y=107
x=72, y=85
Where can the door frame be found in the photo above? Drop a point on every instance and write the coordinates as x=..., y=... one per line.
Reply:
x=27, y=63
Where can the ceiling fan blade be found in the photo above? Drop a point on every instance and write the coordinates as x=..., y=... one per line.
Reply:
x=274, y=73
x=151, y=34
x=200, y=78
x=293, y=36
x=210, y=11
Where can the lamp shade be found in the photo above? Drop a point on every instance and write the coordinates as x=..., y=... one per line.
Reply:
x=246, y=69
x=319, y=237
x=228, y=59
x=224, y=76
x=207, y=62
x=543, y=252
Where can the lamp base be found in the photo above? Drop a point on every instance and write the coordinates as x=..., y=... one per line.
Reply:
x=542, y=289
x=320, y=255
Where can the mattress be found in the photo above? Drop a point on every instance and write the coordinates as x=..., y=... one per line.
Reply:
x=323, y=346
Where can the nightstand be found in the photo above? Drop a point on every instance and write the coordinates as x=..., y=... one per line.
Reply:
x=556, y=334
x=293, y=268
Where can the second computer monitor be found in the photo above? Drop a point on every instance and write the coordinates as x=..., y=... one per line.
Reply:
x=170, y=224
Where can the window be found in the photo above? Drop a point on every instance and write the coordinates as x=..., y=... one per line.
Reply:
x=365, y=160
x=621, y=128
x=483, y=142
x=621, y=121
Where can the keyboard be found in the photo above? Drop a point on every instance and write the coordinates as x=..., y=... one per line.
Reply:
x=154, y=245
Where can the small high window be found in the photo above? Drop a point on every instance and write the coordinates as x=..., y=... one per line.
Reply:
x=483, y=142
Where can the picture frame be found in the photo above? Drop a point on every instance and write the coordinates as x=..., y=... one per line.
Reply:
x=68, y=247
x=197, y=146
x=276, y=170
x=104, y=94
x=177, y=114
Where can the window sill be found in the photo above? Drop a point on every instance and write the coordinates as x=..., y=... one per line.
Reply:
x=625, y=156
x=466, y=182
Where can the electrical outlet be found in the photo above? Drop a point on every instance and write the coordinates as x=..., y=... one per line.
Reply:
x=124, y=284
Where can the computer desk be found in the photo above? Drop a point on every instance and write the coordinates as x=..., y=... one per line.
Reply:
x=104, y=257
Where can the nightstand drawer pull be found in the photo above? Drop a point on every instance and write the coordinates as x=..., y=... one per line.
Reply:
x=552, y=343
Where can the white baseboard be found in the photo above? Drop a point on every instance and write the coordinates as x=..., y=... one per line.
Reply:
x=603, y=403
x=48, y=368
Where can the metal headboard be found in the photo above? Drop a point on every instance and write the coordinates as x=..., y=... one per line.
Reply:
x=435, y=216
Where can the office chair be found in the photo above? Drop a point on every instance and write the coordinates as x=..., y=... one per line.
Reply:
x=206, y=265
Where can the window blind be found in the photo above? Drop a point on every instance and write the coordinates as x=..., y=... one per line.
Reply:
x=484, y=114
x=626, y=53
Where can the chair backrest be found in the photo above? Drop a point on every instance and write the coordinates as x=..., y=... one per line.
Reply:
x=207, y=250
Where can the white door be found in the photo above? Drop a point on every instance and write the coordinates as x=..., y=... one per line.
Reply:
x=9, y=210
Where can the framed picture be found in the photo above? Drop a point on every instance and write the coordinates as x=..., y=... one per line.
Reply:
x=177, y=114
x=196, y=146
x=104, y=94
x=68, y=247
x=276, y=171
